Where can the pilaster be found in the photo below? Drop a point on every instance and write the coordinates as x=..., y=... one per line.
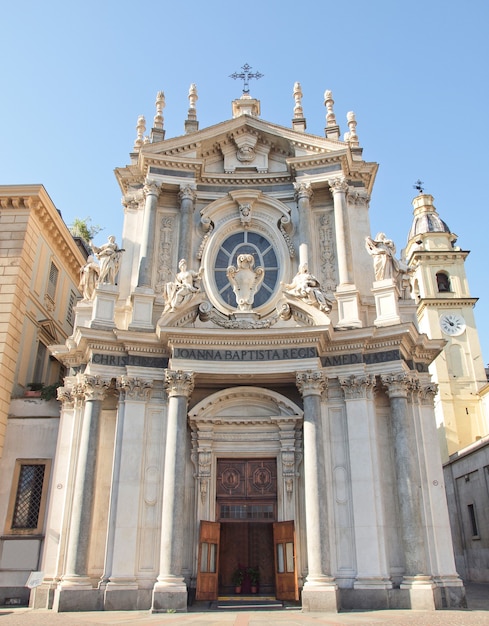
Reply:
x=371, y=558
x=416, y=581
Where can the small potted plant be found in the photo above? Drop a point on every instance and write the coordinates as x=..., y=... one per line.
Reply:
x=237, y=579
x=34, y=390
x=254, y=576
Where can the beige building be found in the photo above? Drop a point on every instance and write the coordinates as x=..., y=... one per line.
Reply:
x=40, y=264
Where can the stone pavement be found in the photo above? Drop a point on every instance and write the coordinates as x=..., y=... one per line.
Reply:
x=477, y=614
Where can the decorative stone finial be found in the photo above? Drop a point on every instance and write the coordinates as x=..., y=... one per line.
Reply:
x=329, y=103
x=191, y=123
x=299, y=121
x=160, y=105
x=141, y=129
x=332, y=130
x=192, y=99
x=298, y=111
x=352, y=136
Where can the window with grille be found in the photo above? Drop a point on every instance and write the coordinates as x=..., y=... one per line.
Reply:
x=26, y=510
x=70, y=313
x=53, y=281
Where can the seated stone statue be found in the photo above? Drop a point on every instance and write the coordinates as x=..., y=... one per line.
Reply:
x=307, y=287
x=183, y=288
x=245, y=280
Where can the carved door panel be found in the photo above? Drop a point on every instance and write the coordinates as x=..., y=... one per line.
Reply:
x=286, y=587
x=208, y=564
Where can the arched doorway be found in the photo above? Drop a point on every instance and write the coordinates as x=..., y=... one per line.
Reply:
x=247, y=444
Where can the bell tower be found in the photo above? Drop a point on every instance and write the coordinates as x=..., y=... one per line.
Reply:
x=445, y=310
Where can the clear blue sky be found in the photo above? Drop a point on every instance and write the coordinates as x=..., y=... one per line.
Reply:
x=76, y=75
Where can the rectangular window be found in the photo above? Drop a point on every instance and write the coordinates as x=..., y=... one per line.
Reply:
x=70, y=313
x=28, y=497
x=473, y=521
x=53, y=281
x=38, y=376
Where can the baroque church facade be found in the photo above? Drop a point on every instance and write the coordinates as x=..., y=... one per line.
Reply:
x=249, y=384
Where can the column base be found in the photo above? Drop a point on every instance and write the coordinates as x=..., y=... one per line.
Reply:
x=142, y=309
x=421, y=591
x=386, y=296
x=68, y=599
x=320, y=594
x=372, y=582
x=170, y=594
x=347, y=298
x=452, y=592
x=121, y=595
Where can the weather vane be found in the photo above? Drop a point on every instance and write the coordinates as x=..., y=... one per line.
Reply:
x=418, y=185
x=246, y=76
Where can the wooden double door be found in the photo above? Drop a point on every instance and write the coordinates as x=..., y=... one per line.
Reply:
x=246, y=534
x=224, y=547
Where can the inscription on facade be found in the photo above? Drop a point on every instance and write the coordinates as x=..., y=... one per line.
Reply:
x=280, y=354
x=368, y=359
x=119, y=360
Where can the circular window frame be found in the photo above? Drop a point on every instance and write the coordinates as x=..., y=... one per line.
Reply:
x=215, y=245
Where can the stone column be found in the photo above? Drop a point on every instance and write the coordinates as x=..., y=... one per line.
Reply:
x=170, y=590
x=303, y=194
x=346, y=293
x=151, y=191
x=121, y=592
x=320, y=592
x=75, y=578
x=368, y=507
x=187, y=200
x=440, y=540
x=408, y=484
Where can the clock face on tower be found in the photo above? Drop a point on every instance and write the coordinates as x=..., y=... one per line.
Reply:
x=452, y=324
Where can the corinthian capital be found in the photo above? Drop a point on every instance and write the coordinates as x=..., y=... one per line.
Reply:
x=187, y=193
x=399, y=384
x=91, y=387
x=428, y=393
x=134, y=388
x=303, y=190
x=151, y=188
x=311, y=383
x=65, y=396
x=356, y=387
x=338, y=185
x=178, y=383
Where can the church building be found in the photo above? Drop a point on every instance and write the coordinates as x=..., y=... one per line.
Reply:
x=249, y=398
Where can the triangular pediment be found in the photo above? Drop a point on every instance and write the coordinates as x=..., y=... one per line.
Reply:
x=244, y=145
